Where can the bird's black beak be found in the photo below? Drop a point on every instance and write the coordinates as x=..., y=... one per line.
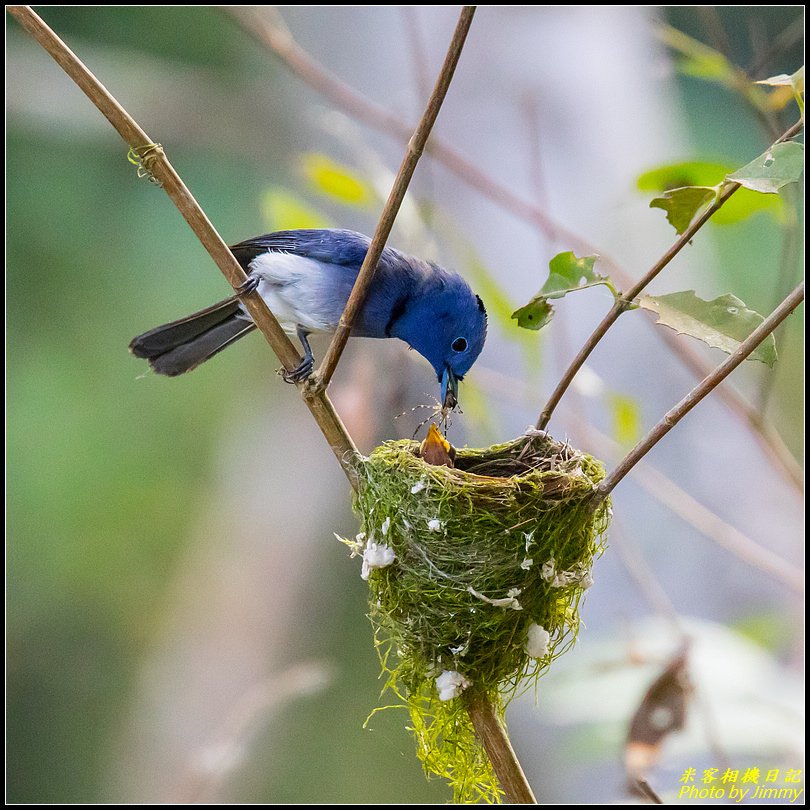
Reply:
x=449, y=389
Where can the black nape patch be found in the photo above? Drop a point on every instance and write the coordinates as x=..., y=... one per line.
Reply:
x=481, y=306
x=397, y=311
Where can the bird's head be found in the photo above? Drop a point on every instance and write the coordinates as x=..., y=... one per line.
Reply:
x=446, y=324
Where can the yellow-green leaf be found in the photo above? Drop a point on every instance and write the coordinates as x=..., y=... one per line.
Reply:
x=335, y=180
x=567, y=273
x=723, y=323
x=670, y=176
x=683, y=204
x=284, y=210
x=697, y=59
x=703, y=62
x=626, y=417
x=742, y=205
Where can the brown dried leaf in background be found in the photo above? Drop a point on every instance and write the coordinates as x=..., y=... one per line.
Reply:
x=661, y=712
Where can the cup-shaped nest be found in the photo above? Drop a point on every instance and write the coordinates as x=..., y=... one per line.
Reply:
x=476, y=572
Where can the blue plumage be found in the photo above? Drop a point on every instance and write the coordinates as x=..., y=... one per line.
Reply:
x=305, y=277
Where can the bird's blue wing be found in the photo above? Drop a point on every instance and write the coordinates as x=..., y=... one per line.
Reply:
x=340, y=254
x=331, y=246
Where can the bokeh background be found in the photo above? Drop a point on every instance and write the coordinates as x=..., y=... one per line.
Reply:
x=182, y=624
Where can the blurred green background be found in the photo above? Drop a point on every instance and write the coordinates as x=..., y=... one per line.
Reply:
x=181, y=623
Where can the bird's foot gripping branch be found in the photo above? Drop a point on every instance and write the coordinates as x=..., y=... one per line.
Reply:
x=476, y=572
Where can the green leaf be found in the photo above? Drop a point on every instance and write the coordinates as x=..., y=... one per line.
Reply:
x=626, y=416
x=780, y=165
x=567, y=274
x=684, y=173
x=723, y=323
x=283, y=210
x=335, y=180
x=535, y=315
x=683, y=204
x=567, y=271
x=704, y=173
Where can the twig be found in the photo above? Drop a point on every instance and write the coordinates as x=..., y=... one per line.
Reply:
x=214, y=762
x=647, y=791
x=489, y=730
x=665, y=490
x=784, y=40
x=416, y=146
x=496, y=742
x=731, y=76
x=493, y=737
x=421, y=81
x=741, y=80
x=157, y=165
x=715, y=528
x=668, y=493
x=768, y=438
x=643, y=575
x=418, y=54
x=270, y=30
x=677, y=413
x=789, y=264
x=624, y=302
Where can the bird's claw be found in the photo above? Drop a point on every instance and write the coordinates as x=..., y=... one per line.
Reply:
x=300, y=373
x=247, y=286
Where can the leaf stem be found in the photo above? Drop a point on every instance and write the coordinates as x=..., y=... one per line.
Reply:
x=673, y=416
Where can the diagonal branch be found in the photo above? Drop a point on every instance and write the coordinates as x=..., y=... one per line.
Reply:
x=270, y=30
x=495, y=741
x=416, y=146
x=624, y=302
x=155, y=162
x=666, y=491
x=672, y=417
x=692, y=511
x=492, y=734
x=767, y=436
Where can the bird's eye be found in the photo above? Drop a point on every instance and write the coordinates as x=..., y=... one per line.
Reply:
x=459, y=344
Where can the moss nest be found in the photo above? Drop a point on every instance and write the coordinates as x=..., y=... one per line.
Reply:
x=476, y=574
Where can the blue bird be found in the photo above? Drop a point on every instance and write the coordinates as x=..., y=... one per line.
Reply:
x=305, y=278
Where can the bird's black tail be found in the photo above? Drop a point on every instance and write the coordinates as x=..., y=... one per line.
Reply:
x=181, y=346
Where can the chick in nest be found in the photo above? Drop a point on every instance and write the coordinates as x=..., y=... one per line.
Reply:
x=436, y=450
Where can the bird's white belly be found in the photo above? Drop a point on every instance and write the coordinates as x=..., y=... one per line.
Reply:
x=291, y=286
